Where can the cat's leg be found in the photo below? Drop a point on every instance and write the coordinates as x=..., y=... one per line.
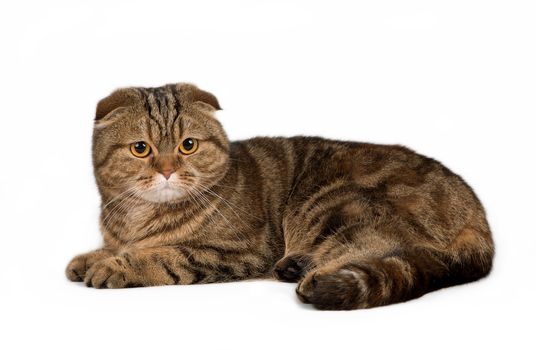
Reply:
x=77, y=268
x=174, y=265
x=350, y=283
x=381, y=274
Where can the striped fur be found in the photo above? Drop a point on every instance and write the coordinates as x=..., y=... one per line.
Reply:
x=356, y=225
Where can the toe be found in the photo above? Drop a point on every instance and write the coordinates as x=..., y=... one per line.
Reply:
x=76, y=269
x=73, y=275
x=98, y=280
x=116, y=280
x=305, y=289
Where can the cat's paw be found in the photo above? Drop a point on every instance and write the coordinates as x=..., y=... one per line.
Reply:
x=339, y=289
x=291, y=268
x=109, y=273
x=79, y=265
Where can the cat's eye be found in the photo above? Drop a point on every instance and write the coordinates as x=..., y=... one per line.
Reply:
x=140, y=149
x=188, y=146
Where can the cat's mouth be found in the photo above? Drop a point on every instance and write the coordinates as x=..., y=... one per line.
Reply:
x=163, y=191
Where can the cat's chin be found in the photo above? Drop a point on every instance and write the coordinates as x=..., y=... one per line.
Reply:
x=163, y=195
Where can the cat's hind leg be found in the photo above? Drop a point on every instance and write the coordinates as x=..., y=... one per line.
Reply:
x=355, y=283
x=379, y=277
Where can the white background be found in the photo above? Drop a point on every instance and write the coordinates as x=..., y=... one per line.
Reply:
x=455, y=80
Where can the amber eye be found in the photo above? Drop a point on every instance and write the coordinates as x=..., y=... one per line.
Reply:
x=140, y=149
x=188, y=146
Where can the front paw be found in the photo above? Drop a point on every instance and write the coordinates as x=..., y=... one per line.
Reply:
x=110, y=273
x=292, y=268
x=79, y=265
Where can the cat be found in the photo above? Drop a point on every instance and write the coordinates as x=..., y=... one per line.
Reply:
x=356, y=225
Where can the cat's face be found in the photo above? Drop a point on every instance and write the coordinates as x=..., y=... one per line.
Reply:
x=160, y=145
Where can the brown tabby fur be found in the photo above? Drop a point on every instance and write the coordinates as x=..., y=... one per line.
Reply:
x=357, y=225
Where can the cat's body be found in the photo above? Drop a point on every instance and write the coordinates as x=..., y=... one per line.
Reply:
x=357, y=225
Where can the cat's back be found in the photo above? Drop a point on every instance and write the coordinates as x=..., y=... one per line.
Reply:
x=328, y=158
x=389, y=171
x=394, y=179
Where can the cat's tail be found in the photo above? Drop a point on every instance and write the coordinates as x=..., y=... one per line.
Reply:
x=396, y=276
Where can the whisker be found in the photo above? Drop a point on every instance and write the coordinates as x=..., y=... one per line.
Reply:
x=117, y=197
x=119, y=207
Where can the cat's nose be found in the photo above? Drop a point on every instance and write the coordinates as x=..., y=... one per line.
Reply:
x=166, y=165
x=167, y=173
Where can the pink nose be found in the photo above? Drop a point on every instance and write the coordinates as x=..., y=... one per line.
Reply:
x=167, y=173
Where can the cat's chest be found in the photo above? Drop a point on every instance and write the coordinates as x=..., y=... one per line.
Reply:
x=138, y=220
x=150, y=225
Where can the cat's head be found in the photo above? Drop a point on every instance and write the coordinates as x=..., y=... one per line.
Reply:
x=158, y=144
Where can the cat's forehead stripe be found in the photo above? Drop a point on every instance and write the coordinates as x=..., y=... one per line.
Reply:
x=163, y=109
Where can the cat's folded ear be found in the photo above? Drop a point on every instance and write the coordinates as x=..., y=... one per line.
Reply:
x=191, y=93
x=117, y=99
